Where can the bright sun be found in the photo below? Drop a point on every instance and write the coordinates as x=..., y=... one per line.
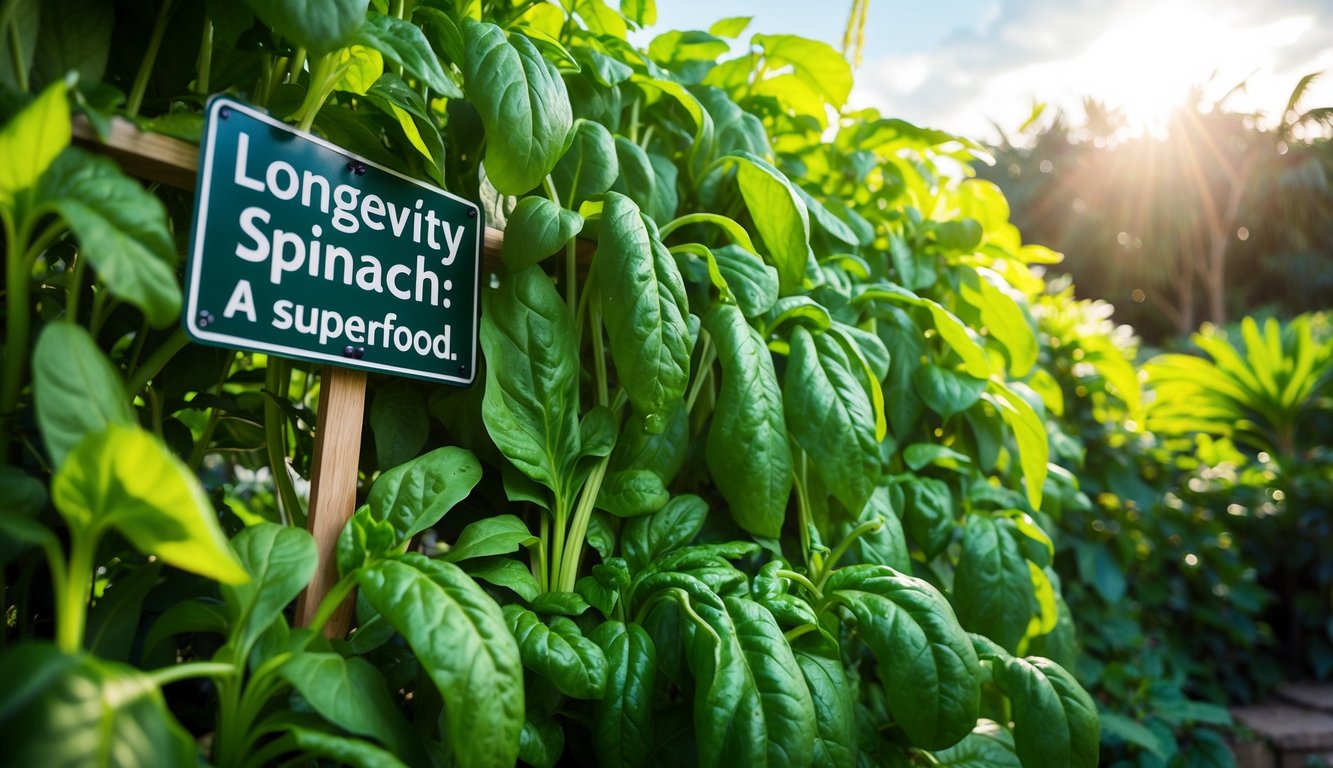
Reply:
x=1153, y=54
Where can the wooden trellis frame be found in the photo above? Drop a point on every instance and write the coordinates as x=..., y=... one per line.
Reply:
x=166, y=160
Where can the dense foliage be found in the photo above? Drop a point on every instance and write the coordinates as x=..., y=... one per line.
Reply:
x=778, y=423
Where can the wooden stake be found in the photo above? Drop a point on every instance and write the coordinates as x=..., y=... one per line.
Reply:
x=342, y=397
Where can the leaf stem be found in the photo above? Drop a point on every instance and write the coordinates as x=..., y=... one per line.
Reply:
x=578, y=529
x=801, y=579
x=140, y=376
x=17, y=272
x=149, y=59
x=704, y=370
x=869, y=526
x=16, y=48
x=72, y=608
x=275, y=439
x=178, y=672
x=205, y=57
x=329, y=605
x=74, y=291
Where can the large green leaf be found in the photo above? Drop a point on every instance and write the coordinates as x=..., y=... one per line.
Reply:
x=1055, y=721
x=497, y=535
x=400, y=422
x=404, y=44
x=747, y=442
x=460, y=639
x=559, y=652
x=751, y=704
x=946, y=391
x=341, y=750
x=319, y=26
x=352, y=694
x=926, y=662
x=830, y=416
x=121, y=228
x=831, y=693
x=77, y=392
x=753, y=283
x=522, y=102
x=590, y=166
x=124, y=478
x=988, y=746
x=531, y=401
x=75, y=36
x=1002, y=317
x=414, y=496
x=623, y=716
x=648, y=538
x=888, y=545
x=779, y=215
x=31, y=141
x=80, y=710
x=536, y=229
x=992, y=589
x=1030, y=434
x=280, y=560
x=929, y=515
x=813, y=62
x=644, y=306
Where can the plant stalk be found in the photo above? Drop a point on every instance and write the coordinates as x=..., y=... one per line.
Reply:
x=149, y=59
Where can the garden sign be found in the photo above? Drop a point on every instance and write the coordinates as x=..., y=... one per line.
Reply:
x=304, y=250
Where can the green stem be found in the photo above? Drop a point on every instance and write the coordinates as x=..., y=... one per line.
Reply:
x=792, y=634
x=558, y=538
x=275, y=439
x=647, y=137
x=168, y=675
x=16, y=50
x=801, y=579
x=578, y=530
x=214, y=418
x=72, y=610
x=74, y=291
x=140, y=376
x=634, y=121
x=149, y=59
x=329, y=605
x=598, y=351
x=803, y=508
x=539, y=564
x=297, y=66
x=869, y=526
x=205, y=57
x=706, y=358
x=17, y=271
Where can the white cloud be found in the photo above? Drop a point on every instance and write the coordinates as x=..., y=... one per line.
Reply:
x=1141, y=55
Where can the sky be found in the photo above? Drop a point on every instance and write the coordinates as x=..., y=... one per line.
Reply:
x=968, y=66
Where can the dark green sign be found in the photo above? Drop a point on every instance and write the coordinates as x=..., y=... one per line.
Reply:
x=304, y=250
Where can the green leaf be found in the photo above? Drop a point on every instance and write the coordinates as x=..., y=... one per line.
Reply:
x=504, y=572
x=753, y=283
x=460, y=639
x=992, y=590
x=637, y=178
x=113, y=621
x=24, y=496
x=536, y=229
x=31, y=141
x=403, y=43
x=647, y=539
x=75, y=36
x=558, y=652
x=747, y=448
x=641, y=12
x=280, y=560
x=888, y=545
x=830, y=416
x=364, y=539
x=779, y=215
x=319, y=26
x=751, y=706
x=77, y=392
x=414, y=496
x=832, y=696
x=342, y=750
x=945, y=391
x=590, y=166
x=644, y=305
x=813, y=62
x=1002, y=316
x=498, y=535
x=542, y=741
x=732, y=26
x=632, y=493
x=988, y=746
x=351, y=694
x=1118, y=726
x=929, y=515
x=400, y=422
x=623, y=716
x=1055, y=721
x=126, y=479
x=1029, y=432
x=926, y=662
x=80, y=710
x=531, y=401
x=122, y=230
x=523, y=106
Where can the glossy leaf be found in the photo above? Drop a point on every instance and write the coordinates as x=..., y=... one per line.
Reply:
x=1030, y=434
x=888, y=544
x=830, y=416
x=929, y=515
x=32, y=140
x=414, y=496
x=280, y=560
x=623, y=731
x=644, y=305
x=559, y=652
x=946, y=391
x=753, y=283
x=992, y=591
x=779, y=215
x=929, y=669
x=536, y=229
x=400, y=423
x=648, y=538
x=747, y=441
x=317, y=25
x=351, y=694
x=1055, y=721
x=459, y=636
x=126, y=479
x=497, y=535
x=589, y=167
x=76, y=389
x=522, y=102
x=987, y=746
x=342, y=750
x=831, y=694
x=404, y=44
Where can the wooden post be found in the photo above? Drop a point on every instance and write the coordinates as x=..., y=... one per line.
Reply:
x=342, y=397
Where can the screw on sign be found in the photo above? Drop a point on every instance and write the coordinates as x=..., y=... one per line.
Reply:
x=301, y=250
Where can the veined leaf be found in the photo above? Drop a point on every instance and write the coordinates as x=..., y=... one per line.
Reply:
x=1055, y=721
x=1030, y=434
x=779, y=215
x=589, y=167
x=319, y=26
x=403, y=43
x=993, y=592
x=558, y=652
x=351, y=694
x=280, y=560
x=623, y=716
x=536, y=229
x=414, y=496
x=77, y=392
